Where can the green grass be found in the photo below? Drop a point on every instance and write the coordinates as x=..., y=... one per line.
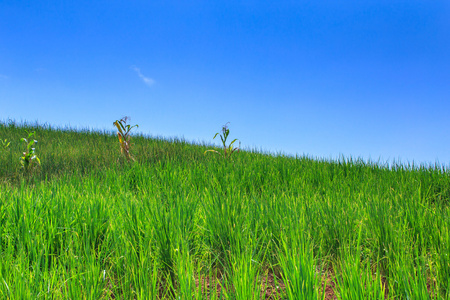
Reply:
x=178, y=224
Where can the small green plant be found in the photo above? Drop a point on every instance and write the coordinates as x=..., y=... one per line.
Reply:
x=123, y=132
x=227, y=150
x=5, y=144
x=29, y=155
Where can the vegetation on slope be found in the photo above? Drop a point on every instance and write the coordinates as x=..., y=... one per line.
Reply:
x=178, y=224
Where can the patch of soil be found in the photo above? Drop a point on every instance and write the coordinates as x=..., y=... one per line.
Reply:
x=209, y=285
x=329, y=288
x=272, y=287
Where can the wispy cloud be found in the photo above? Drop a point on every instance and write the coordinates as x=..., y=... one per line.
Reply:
x=3, y=76
x=147, y=80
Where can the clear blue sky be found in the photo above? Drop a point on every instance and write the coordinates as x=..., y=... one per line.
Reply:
x=366, y=79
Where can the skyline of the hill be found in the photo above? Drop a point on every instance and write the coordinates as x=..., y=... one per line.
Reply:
x=363, y=79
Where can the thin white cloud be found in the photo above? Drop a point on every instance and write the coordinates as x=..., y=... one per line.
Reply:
x=3, y=76
x=147, y=80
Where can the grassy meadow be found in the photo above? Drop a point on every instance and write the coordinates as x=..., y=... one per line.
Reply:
x=179, y=224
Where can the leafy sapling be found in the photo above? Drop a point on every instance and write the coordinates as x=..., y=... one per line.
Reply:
x=227, y=150
x=29, y=155
x=123, y=133
x=5, y=144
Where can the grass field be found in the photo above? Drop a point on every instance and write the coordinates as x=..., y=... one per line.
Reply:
x=179, y=224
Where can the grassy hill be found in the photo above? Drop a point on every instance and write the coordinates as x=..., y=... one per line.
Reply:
x=179, y=224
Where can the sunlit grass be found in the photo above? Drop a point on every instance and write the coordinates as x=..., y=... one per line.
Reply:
x=178, y=224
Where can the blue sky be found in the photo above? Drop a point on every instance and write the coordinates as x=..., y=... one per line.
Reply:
x=367, y=79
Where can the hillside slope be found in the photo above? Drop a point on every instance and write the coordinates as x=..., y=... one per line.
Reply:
x=179, y=224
